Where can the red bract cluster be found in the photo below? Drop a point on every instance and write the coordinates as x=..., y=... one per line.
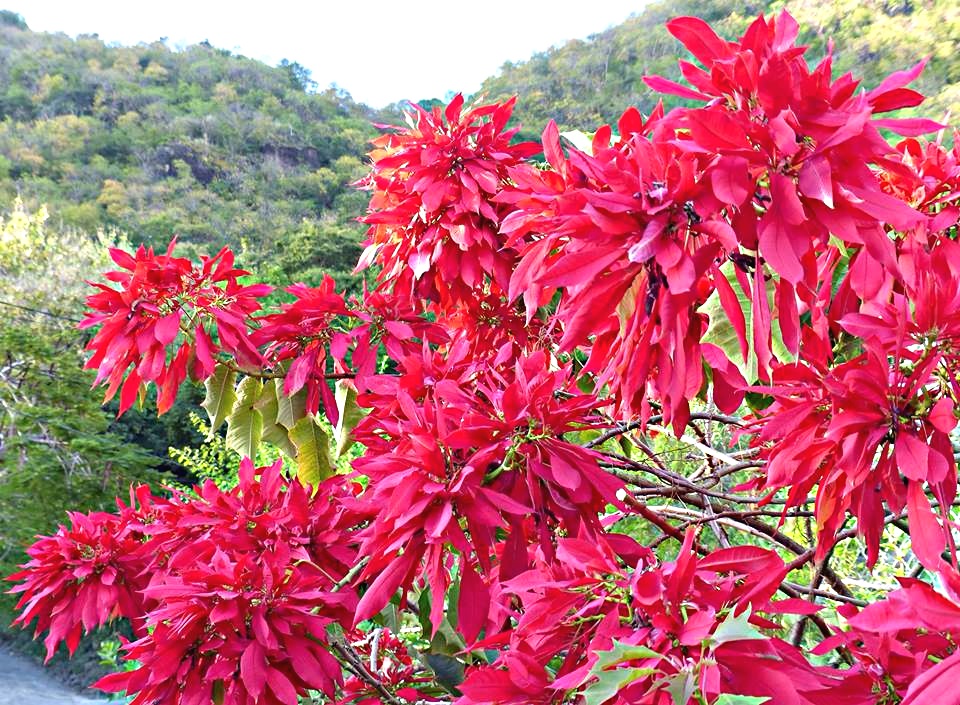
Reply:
x=904, y=646
x=635, y=233
x=301, y=334
x=247, y=628
x=231, y=592
x=81, y=578
x=877, y=427
x=690, y=625
x=161, y=299
x=464, y=453
x=762, y=268
x=434, y=228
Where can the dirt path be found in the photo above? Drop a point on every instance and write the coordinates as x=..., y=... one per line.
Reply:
x=23, y=682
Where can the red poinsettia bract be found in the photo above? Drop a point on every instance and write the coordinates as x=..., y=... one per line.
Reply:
x=81, y=578
x=434, y=228
x=161, y=297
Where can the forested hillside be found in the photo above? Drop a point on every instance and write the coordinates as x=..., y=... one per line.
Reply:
x=583, y=84
x=213, y=147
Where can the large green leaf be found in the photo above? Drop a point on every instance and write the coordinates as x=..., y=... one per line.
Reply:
x=609, y=683
x=681, y=687
x=245, y=422
x=579, y=139
x=273, y=433
x=290, y=409
x=349, y=416
x=314, y=463
x=220, y=395
x=622, y=652
x=728, y=699
x=447, y=669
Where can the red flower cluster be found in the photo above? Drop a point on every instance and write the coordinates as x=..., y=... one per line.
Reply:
x=689, y=626
x=434, y=228
x=235, y=589
x=81, y=578
x=160, y=298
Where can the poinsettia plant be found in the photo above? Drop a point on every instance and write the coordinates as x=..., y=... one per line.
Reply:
x=614, y=413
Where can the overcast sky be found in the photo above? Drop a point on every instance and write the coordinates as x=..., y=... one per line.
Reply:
x=380, y=51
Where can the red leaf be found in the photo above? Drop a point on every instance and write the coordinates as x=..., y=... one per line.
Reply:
x=580, y=268
x=473, y=604
x=942, y=415
x=730, y=180
x=282, y=687
x=383, y=587
x=124, y=259
x=777, y=247
x=926, y=534
x=816, y=181
x=912, y=455
x=909, y=127
x=167, y=328
x=699, y=39
x=253, y=669
x=452, y=111
x=937, y=686
x=668, y=87
x=551, y=147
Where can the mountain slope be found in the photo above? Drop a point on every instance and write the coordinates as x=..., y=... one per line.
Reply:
x=215, y=147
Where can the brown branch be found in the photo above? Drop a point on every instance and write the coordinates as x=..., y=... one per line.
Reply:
x=633, y=425
x=354, y=664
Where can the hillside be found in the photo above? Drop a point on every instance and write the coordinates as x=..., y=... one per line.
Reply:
x=583, y=84
x=215, y=147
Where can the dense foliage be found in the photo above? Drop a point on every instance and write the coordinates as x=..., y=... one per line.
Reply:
x=759, y=279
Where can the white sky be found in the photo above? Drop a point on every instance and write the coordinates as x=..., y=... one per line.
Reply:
x=379, y=50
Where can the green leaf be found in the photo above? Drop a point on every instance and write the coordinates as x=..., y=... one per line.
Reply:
x=609, y=683
x=273, y=433
x=313, y=451
x=728, y=699
x=267, y=404
x=448, y=670
x=622, y=652
x=289, y=409
x=579, y=139
x=349, y=415
x=245, y=422
x=220, y=395
x=681, y=687
x=277, y=435
x=735, y=628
